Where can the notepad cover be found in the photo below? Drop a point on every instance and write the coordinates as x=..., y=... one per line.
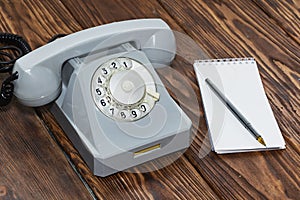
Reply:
x=239, y=81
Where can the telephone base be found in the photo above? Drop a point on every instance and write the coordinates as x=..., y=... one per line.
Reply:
x=98, y=167
x=107, y=145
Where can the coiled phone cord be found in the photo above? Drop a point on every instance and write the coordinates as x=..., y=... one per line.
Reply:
x=14, y=47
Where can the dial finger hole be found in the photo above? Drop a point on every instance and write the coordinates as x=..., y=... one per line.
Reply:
x=99, y=91
x=135, y=113
x=125, y=62
x=103, y=102
x=144, y=107
x=115, y=64
x=113, y=111
x=100, y=80
x=124, y=114
x=105, y=71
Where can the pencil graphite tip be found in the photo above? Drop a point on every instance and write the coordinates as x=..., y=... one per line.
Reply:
x=261, y=140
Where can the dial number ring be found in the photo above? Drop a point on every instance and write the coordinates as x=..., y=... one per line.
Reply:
x=130, y=96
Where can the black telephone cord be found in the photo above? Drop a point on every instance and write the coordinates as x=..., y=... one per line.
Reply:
x=12, y=48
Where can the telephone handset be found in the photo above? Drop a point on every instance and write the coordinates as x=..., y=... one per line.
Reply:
x=43, y=66
x=108, y=98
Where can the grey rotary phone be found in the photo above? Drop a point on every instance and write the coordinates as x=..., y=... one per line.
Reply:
x=107, y=96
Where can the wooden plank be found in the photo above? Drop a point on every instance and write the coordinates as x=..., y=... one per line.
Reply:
x=32, y=166
x=37, y=22
x=285, y=14
x=93, y=13
x=235, y=29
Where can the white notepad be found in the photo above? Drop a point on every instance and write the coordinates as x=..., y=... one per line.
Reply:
x=239, y=81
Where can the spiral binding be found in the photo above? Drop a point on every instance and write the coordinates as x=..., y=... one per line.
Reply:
x=227, y=60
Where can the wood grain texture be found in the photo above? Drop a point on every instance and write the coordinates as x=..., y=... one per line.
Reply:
x=36, y=21
x=237, y=29
x=285, y=13
x=31, y=164
x=266, y=30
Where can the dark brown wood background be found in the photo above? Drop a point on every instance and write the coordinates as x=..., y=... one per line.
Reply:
x=37, y=161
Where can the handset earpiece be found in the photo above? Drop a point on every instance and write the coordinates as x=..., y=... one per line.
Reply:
x=37, y=86
x=161, y=47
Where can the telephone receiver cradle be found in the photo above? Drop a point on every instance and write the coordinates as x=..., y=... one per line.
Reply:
x=108, y=98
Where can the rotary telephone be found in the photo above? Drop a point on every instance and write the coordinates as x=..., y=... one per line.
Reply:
x=107, y=96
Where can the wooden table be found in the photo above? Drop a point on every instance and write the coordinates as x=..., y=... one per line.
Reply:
x=39, y=162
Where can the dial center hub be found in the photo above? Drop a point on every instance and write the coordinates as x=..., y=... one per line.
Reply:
x=127, y=87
